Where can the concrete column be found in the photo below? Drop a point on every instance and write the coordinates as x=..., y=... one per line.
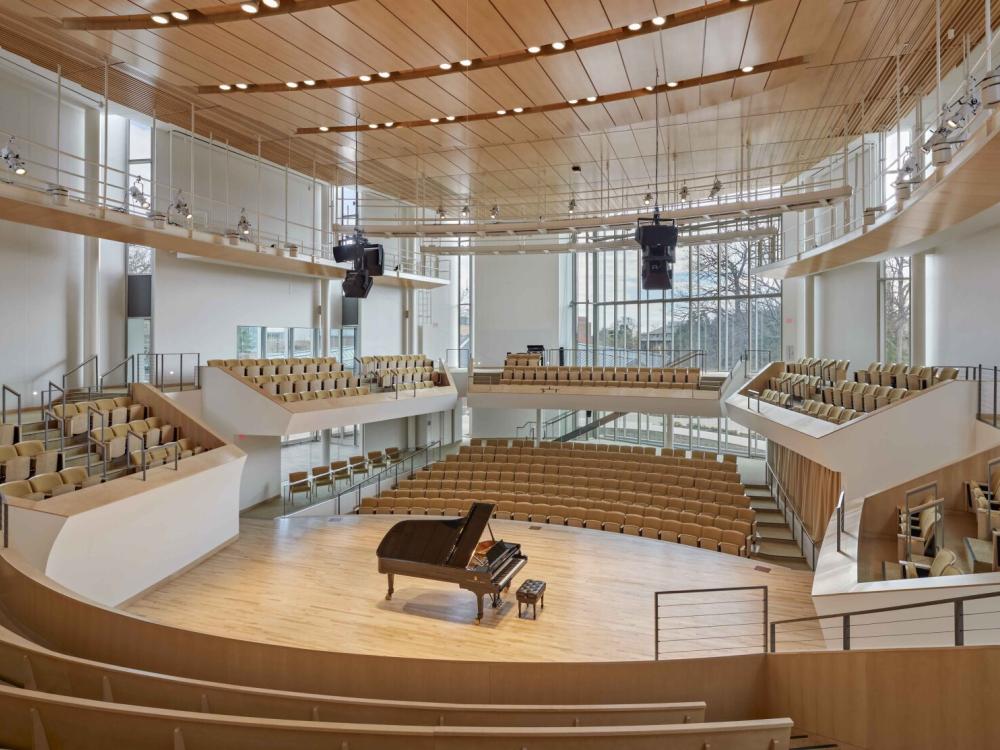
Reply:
x=538, y=426
x=918, y=309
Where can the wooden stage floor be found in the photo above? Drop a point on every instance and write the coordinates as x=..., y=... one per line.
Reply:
x=314, y=583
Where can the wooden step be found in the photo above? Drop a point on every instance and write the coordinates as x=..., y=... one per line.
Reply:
x=775, y=533
x=769, y=518
x=764, y=503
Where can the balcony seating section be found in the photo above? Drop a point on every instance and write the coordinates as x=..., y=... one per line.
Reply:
x=50, y=484
x=393, y=376
x=252, y=368
x=362, y=390
x=26, y=459
x=613, y=377
x=375, y=364
x=278, y=385
x=523, y=359
x=79, y=418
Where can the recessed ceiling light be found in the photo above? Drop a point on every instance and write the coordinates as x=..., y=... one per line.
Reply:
x=180, y=15
x=435, y=119
x=649, y=88
x=250, y=8
x=383, y=74
x=272, y=3
x=519, y=109
x=292, y=85
x=634, y=26
x=373, y=125
x=309, y=82
x=501, y=111
x=160, y=19
x=659, y=21
x=591, y=98
x=242, y=86
x=390, y=124
x=671, y=84
x=573, y=101
x=558, y=45
x=450, y=118
x=365, y=78
x=224, y=87
x=534, y=50
x=324, y=129
x=747, y=68
x=445, y=66
x=465, y=63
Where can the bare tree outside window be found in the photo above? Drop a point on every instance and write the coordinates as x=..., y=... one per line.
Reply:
x=895, y=292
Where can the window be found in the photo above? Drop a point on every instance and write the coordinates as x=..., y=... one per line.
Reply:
x=302, y=342
x=894, y=289
x=248, y=342
x=276, y=343
x=139, y=260
x=464, y=286
x=717, y=306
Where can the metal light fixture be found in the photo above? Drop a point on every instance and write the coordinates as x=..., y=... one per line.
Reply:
x=441, y=213
x=13, y=159
x=911, y=169
x=495, y=212
x=465, y=211
x=138, y=195
x=647, y=199
x=684, y=192
x=243, y=226
x=716, y=188
x=572, y=205
x=180, y=207
x=272, y=3
x=251, y=7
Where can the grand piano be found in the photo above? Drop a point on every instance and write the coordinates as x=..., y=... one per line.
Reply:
x=450, y=550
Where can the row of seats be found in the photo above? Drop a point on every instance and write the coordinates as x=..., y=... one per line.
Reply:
x=666, y=456
x=276, y=385
x=522, y=359
x=677, y=508
x=50, y=484
x=715, y=534
x=827, y=369
x=898, y=375
x=79, y=418
x=591, y=447
x=827, y=412
x=395, y=362
x=165, y=454
x=616, y=377
x=25, y=459
x=363, y=390
x=777, y=398
x=863, y=397
x=944, y=563
x=309, y=482
x=983, y=502
x=294, y=366
x=400, y=375
x=796, y=384
x=112, y=442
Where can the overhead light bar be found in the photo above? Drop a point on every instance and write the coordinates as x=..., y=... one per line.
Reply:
x=215, y=14
x=570, y=103
x=559, y=46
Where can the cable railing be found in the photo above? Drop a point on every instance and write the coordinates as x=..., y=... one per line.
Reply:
x=406, y=464
x=692, y=623
x=954, y=621
x=808, y=545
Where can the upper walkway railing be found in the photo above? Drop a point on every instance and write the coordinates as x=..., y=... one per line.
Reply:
x=691, y=623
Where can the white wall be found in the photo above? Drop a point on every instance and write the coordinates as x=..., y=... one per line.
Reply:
x=846, y=314
x=382, y=324
x=392, y=433
x=516, y=304
x=261, y=479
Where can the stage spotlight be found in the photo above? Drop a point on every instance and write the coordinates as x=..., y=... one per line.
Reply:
x=647, y=199
x=716, y=188
x=138, y=195
x=684, y=192
x=495, y=212
x=180, y=207
x=13, y=159
x=465, y=212
x=441, y=214
x=572, y=206
x=243, y=226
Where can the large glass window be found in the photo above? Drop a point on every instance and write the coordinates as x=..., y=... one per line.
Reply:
x=717, y=305
x=894, y=289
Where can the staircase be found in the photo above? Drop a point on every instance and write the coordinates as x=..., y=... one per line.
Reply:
x=712, y=381
x=773, y=539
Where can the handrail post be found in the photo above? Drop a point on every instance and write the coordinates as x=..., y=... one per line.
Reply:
x=847, y=632
x=959, y=623
x=765, y=620
x=774, y=636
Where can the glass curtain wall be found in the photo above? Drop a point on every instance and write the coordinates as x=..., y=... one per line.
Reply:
x=894, y=290
x=717, y=305
x=268, y=342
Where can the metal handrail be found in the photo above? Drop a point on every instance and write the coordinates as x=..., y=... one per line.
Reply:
x=938, y=532
x=130, y=359
x=92, y=441
x=840, y=517
x=748, y=352
x=48, y=392
x=142, y=449
x=787, y=505
x=656, y=611
x=958, y=620
x=47, y=416
x=90, y=388
x=691, y=355
x=4, y=390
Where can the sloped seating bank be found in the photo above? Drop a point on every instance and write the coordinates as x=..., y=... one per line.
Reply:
x=612, y=377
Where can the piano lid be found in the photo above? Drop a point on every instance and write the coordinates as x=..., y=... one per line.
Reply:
x=437, y=542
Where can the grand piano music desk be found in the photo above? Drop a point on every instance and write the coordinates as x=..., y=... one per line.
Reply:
x=450, y=550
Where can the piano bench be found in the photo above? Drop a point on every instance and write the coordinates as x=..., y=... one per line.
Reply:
x=531, y=592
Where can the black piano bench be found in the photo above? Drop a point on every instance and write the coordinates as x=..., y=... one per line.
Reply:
x=531, y=592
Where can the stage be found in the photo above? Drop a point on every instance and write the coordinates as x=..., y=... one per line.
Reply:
x=314, y=583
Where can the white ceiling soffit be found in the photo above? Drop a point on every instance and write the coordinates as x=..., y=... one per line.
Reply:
x=791, y=201
x=586, y=247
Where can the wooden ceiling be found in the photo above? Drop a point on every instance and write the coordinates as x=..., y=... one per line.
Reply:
x=790, y=116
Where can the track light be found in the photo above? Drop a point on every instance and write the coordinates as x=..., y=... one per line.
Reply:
x=684, y=192
x=647, y=199
x=384, y=74
x=292, y=85
x=450, y=118
x=495, y=212
x=137, y=194
x=13, y=159
x=441, y=214
x=501, y=112
x=465, y=211
x=573, y=101
x=435, y=119
x=518, y=110
x=591, y=98
x=309, y=82
x=243, y=226
x=716, y=188
x=911, y=168
x=324, y=128
x=572, y=206
x=180, y=206
x=671, y=84
x=250, y=7
x=659, y=21
x=937, y=137
x=180, y=15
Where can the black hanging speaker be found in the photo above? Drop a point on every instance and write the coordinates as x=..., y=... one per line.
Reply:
x=657, y=274
x=659, y=245
x=357, y=284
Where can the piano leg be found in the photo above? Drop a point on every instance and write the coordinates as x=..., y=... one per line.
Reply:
x=389, y=593
x=479, y=609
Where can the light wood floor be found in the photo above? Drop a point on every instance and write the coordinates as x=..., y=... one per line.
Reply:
x=314, y=583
